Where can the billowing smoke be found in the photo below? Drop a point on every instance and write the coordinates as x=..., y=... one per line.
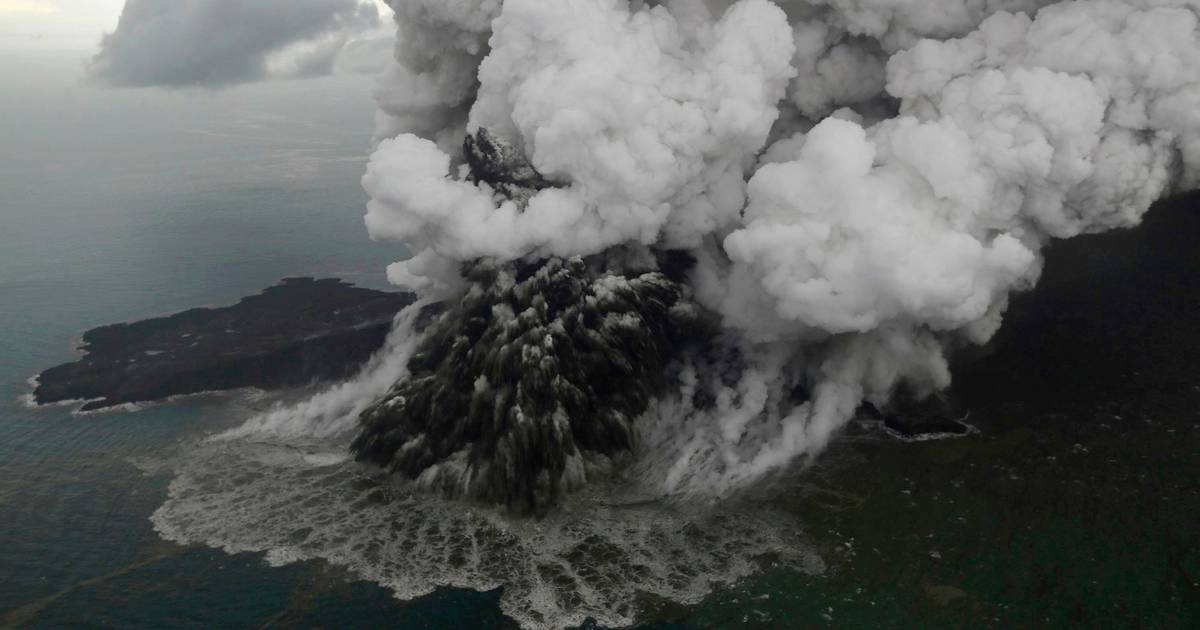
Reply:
x=858, y=185
x=212, y=43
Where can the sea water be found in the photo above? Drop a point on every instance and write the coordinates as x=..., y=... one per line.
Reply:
x=1068, y=507
x=122, y=205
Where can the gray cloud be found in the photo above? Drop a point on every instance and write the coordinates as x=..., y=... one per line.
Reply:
x=213, y=43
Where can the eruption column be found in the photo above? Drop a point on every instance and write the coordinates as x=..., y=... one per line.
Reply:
x=860, y=186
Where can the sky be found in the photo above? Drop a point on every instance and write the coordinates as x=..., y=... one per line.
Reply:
x=78, y=23
x=69, y=24
x=68, y=136
x=80, y=159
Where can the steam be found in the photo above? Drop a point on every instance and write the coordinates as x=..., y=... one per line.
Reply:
x=862, y=183
x=333, y=411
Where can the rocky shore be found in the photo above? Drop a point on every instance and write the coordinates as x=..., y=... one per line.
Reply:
x=300, y=331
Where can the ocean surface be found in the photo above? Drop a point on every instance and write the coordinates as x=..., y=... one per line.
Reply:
x=1076, y=504
x=116, y=206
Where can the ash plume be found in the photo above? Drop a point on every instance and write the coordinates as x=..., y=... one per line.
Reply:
x=856, y=186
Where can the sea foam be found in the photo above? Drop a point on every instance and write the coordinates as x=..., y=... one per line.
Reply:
x=593, y=556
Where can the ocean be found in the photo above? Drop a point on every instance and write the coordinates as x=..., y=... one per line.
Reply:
x=1075, y=504
x=117, y=206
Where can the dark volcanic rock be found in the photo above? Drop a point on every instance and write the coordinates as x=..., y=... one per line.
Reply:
x=502, y=166
x=537, y=369
x=918, y=425
x=299, y=331
x=919, y=418
x=910, y=418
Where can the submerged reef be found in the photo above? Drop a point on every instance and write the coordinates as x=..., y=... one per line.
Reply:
x=297, y=332
x=533, y=376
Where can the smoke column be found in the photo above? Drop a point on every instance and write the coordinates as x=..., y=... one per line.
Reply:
x=862, y=183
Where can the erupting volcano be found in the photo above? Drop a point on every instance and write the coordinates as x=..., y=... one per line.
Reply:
x=741, y=220
x=664, y=252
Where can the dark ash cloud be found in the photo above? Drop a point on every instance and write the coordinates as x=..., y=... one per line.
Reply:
x=213, y=43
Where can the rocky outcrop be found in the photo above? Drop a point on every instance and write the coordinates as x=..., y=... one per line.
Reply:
x=501, y=166
x=537, y=372
x=297, y=332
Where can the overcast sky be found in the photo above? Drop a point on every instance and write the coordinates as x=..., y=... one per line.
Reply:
x=81, y=20
x=61, y=123
x=73, y=24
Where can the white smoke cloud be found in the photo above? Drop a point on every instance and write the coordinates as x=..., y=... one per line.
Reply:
x=650, y=116
x=213, y=43
x=429, y=86
x=862, y=181
x=334, y=411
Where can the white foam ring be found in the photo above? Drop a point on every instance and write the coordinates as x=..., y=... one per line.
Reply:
x=30, y=401
x=592, y=557
x=130, y=407
x=283, y=485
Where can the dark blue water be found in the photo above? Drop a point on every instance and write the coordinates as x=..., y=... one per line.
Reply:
x=1075, y=506
x=122, y=205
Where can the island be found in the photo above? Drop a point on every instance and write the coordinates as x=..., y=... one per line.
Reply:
x=298, y=332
